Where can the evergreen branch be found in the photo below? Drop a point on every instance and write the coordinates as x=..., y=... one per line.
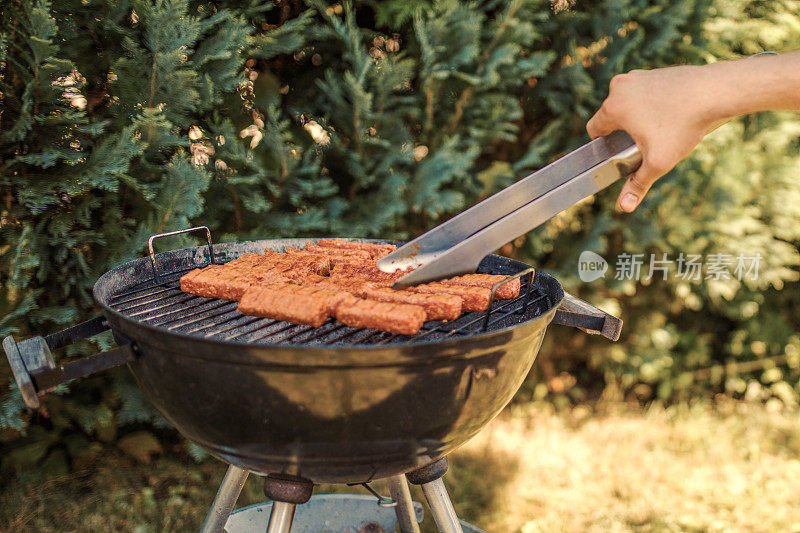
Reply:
x=466, y=95
x=153, y=83
x=152, y=97
x=237, y=213
x=430, y=101
x=284, y=170
x=460, y=106
x=36, y=91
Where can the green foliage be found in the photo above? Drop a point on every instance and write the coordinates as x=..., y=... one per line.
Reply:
x=736, y=194
x=120, y=119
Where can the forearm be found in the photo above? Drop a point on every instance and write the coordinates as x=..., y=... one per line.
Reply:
x=667, y=111
x=766, y=82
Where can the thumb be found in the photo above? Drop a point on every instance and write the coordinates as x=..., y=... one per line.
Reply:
x=635, y=188
x=599, y=125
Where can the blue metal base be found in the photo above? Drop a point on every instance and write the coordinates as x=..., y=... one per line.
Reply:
x=329, y=513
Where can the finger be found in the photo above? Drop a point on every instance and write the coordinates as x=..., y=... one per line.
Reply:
x=636, y=186
x=599, y=125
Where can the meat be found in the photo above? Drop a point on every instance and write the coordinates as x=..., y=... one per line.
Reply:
x=318, y=264
x=297, y=253
x=299, y=304
x=338, y=278
x=355, y=253
x=403, y=319
x=350, y=261
x=334, y=257
x=504, y=292
x=352, y=286
x=365, y=271
x=297, y=272
x=267, y=276
x=245, y=261
x=217, y=281
x=436, y=306
x=475, y=298
x=375, y=250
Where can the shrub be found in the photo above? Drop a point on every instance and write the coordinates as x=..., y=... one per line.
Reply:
x=121, y=119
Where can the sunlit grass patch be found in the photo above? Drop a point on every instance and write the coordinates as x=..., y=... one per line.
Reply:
x=734, y=468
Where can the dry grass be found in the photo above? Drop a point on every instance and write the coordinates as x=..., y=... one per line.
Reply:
x=736, y=468
x=733, y=468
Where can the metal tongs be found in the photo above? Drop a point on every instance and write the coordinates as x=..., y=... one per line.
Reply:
x=457, y=246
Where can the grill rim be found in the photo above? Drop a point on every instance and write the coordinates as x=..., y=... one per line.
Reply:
x=104, y=292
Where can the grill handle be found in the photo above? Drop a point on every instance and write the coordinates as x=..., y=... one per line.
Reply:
x=581, y=314
x=35, y=370
x=171, y=233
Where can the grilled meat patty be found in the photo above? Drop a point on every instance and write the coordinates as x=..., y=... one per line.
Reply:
x=337, y=278
x=375, y=250
x=506, y=291
x=298, y=304
x=475, y=298
x=403, y=319
x=436, y=306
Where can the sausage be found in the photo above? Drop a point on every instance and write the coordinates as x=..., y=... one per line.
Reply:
x=217, y=281
x=230, y=283
x=296, y=253
x=350, y=261
x=267, y=276
x=335, y=258
x=403, y=319
x=339, y=278
x=436, y=306
x=318, y=264
x=365, y=271
x=475, y=298
x=245, y=261
x=298, y=304
x=504, y=292
x=296, y=272
x=341, y=284
x=375, y=250
x=355, y=253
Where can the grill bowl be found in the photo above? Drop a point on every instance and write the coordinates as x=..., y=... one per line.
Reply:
x=335, y=412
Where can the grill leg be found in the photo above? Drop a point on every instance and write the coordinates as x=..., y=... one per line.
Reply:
x=286, y=492
x=225, y=500
x=430, y=478
x=280, y=519
x=406, y=517
x=441, y=507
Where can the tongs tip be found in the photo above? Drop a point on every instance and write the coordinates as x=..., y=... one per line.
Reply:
x=399, y=259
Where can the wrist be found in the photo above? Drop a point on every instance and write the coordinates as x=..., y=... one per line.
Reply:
x=751, y=85
x=722, y=96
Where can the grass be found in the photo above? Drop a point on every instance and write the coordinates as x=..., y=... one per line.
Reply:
x=733, y=467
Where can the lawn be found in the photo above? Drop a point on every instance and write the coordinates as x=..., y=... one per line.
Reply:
x=731, y=467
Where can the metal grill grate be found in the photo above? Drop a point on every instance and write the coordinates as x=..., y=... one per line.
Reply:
x=161, y=303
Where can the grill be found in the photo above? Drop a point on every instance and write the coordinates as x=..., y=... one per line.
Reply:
x=162, y=304
x=332, y=404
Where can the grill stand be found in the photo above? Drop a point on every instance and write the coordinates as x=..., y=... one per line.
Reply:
x=286, y=492
x=430, y=478
x=406, y=516
x=280, y=519
x=225, y=500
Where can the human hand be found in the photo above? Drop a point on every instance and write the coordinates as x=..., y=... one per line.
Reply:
x=666, y=111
